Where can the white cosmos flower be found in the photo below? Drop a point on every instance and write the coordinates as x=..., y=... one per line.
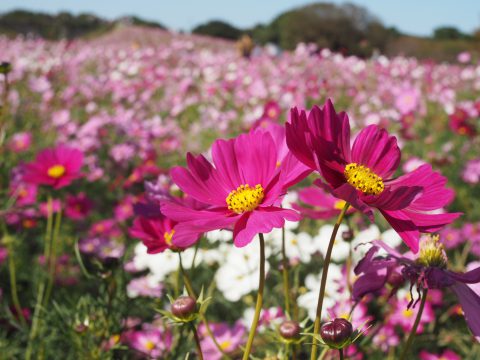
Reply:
x=341, y=248
x=333, y=292
x=297, y=246
x=239, y=275
x=162, y=264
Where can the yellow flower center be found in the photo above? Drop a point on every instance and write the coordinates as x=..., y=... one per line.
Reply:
x=56, y=171
x=363, y=179
x=408, y=313
x=339, y=204
x=168, y=237
x=432, y=253
x=150, y=345
x=224, y=345
x=245, y=198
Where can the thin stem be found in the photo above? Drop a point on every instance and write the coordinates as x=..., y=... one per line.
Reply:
x=413, y=332
x=13, y=281
x=323, y=283
x=53, y=257
x=186, y=279
x=286, y=285
x=258, y=307
x=197, y=340
x=191, y=292
x=35, y=321
x=340, y=352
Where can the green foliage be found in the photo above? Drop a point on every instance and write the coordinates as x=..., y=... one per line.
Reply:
x=449, y=33
x=61, y=26
x=217, y=28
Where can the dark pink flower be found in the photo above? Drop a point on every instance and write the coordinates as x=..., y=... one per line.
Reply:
x=56, y=167
x=78, y=206
x=361, y=174
x=156, y=232
x=242, y=189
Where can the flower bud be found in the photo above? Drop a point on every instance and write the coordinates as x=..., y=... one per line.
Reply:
x=290, y=330
x=347, y=235
x=183, y=307
x=336, y=333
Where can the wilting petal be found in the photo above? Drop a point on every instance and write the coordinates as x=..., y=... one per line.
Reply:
x=470, y=302
x=369, y=283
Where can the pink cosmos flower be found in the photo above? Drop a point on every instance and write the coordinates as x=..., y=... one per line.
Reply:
x=20, y=142
x=242, y=188
x=361, y=174
x=446, y=355
x=228, y=337
x=404, y=315
x=155, y=232
x=153, y=341
x=26, y=194
x=321, y=205
x=386, y=337
x=78, y=206
x=407, y=101
x=45, y=209
x=56, y=167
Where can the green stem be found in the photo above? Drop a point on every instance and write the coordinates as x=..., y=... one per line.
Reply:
x=258, y=307
x=323, y=283
x=42, y=286
x=13, y=281
x=340, y=352
x=53, y=257
x=286, y=285
x=413, y=332
x=197, y=340
x=35, y=321
x=191, y=292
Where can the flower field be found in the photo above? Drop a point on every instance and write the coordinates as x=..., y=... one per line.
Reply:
x=164, y=197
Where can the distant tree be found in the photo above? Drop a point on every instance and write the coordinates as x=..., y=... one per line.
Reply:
x=347, y=27
x=448, y=33
x=62, y=25
x=217, y=28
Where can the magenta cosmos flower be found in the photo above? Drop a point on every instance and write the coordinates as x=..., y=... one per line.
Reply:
x=242, y=188
x=56, y=167
x=361, y=174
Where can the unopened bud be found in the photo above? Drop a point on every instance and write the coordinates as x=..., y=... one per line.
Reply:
x=336, y=333
x=183, y=307
x=290, y=330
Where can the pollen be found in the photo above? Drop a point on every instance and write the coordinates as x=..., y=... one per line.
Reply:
x=432, y=252
x=245, y=198
x=363, y=179
x=225, y=345
x=168, y=235
x=56, y=171
x=339, y=204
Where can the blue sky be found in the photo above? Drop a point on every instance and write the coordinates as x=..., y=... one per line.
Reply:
x=417, y=17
